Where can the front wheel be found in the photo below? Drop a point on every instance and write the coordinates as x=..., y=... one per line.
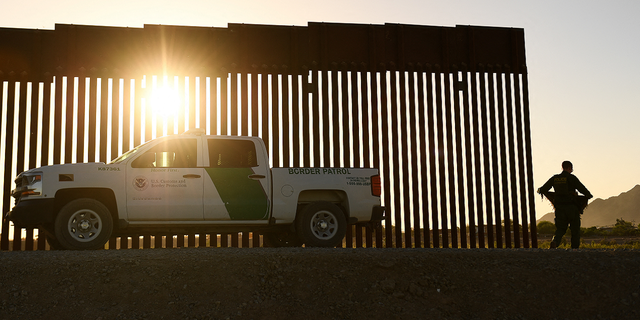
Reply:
x=321, y=224
x=83, y=224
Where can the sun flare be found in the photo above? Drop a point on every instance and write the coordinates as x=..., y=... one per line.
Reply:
x=165, y=101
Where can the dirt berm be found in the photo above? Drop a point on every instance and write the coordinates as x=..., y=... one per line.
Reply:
x=306, y=283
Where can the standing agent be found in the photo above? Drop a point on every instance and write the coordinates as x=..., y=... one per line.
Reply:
x=566, y=203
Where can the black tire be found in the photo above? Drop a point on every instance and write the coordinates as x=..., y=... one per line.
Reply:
x=280, y=239
x=83, y=224
x=321, y=224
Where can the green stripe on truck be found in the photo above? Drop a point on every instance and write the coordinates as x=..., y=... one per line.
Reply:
x=244, y=198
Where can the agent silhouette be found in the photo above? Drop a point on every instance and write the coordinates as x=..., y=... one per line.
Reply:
x=567, y=204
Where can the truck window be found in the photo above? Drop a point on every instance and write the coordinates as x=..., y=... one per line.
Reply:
x=179, y=153
x=232, y=153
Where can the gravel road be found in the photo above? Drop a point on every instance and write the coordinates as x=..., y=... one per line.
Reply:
x=313, y=283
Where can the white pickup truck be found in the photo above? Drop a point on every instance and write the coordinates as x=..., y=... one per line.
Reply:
x=194, y=183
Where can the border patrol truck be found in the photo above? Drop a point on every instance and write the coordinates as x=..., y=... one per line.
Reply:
x=194, y=183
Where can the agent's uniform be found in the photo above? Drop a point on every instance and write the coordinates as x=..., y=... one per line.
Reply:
x=567, y=211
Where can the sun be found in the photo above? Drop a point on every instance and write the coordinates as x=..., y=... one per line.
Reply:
x=164, y=101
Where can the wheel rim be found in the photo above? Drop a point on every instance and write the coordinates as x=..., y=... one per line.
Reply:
x=84, y=225
x=324, y=225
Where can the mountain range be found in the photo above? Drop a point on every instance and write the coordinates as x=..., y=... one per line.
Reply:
x=602, y=213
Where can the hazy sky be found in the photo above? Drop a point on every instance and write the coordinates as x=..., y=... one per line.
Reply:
x=583, y=60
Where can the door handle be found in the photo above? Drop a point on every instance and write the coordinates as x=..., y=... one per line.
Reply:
x=256, y=176
x=192, y=176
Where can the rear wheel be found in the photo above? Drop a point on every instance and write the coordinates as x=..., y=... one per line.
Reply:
x=83, y=224
x=321, y=224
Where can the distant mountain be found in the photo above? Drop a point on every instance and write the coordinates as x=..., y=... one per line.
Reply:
x=602, y=213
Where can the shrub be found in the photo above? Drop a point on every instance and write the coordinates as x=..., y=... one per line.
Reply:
x=624, y=228
x=591, y=231
x=546, y=227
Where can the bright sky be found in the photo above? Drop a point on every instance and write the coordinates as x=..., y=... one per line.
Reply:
x=582, y=58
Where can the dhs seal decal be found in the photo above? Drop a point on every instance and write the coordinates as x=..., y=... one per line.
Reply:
x=140, y=183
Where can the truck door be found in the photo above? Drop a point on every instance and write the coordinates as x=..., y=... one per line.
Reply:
x=237, y=181
x=165, y=182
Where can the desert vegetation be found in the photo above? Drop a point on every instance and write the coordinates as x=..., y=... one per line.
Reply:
x=622, y=235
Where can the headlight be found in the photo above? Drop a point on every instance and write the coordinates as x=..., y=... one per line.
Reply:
x=28, y=184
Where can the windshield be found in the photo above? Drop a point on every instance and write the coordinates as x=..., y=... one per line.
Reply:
x=127, y=154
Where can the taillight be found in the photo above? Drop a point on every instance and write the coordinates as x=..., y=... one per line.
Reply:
x=376, y=186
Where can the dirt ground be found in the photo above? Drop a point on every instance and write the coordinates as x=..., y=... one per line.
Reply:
x=313, y=283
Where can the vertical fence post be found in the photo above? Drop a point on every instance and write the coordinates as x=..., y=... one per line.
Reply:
x=406, y=156
x=233, y=112
x=456, y=86
x=335, y=111
x=79, y=156
x=432, y=153
x=495, y=226
x=20, y=152
x=264, y=84
x=285, y=119
x=519, y=128
x=295, y=119
x=315, y=113
x=275, y=118
x=469, y=160
x=441, y=120
x=395, y=150
x=529, y=159
x=413, y=126
x=33, y=150
x=475, y=105
x=511, y=137
x=93, y=109
x=69, y=117
x=424, y=153
x=386, y=157
x=104, y=114
x=375, y=125
x=8, y=156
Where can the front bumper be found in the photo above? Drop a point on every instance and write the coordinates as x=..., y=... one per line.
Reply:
x=32, y=213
